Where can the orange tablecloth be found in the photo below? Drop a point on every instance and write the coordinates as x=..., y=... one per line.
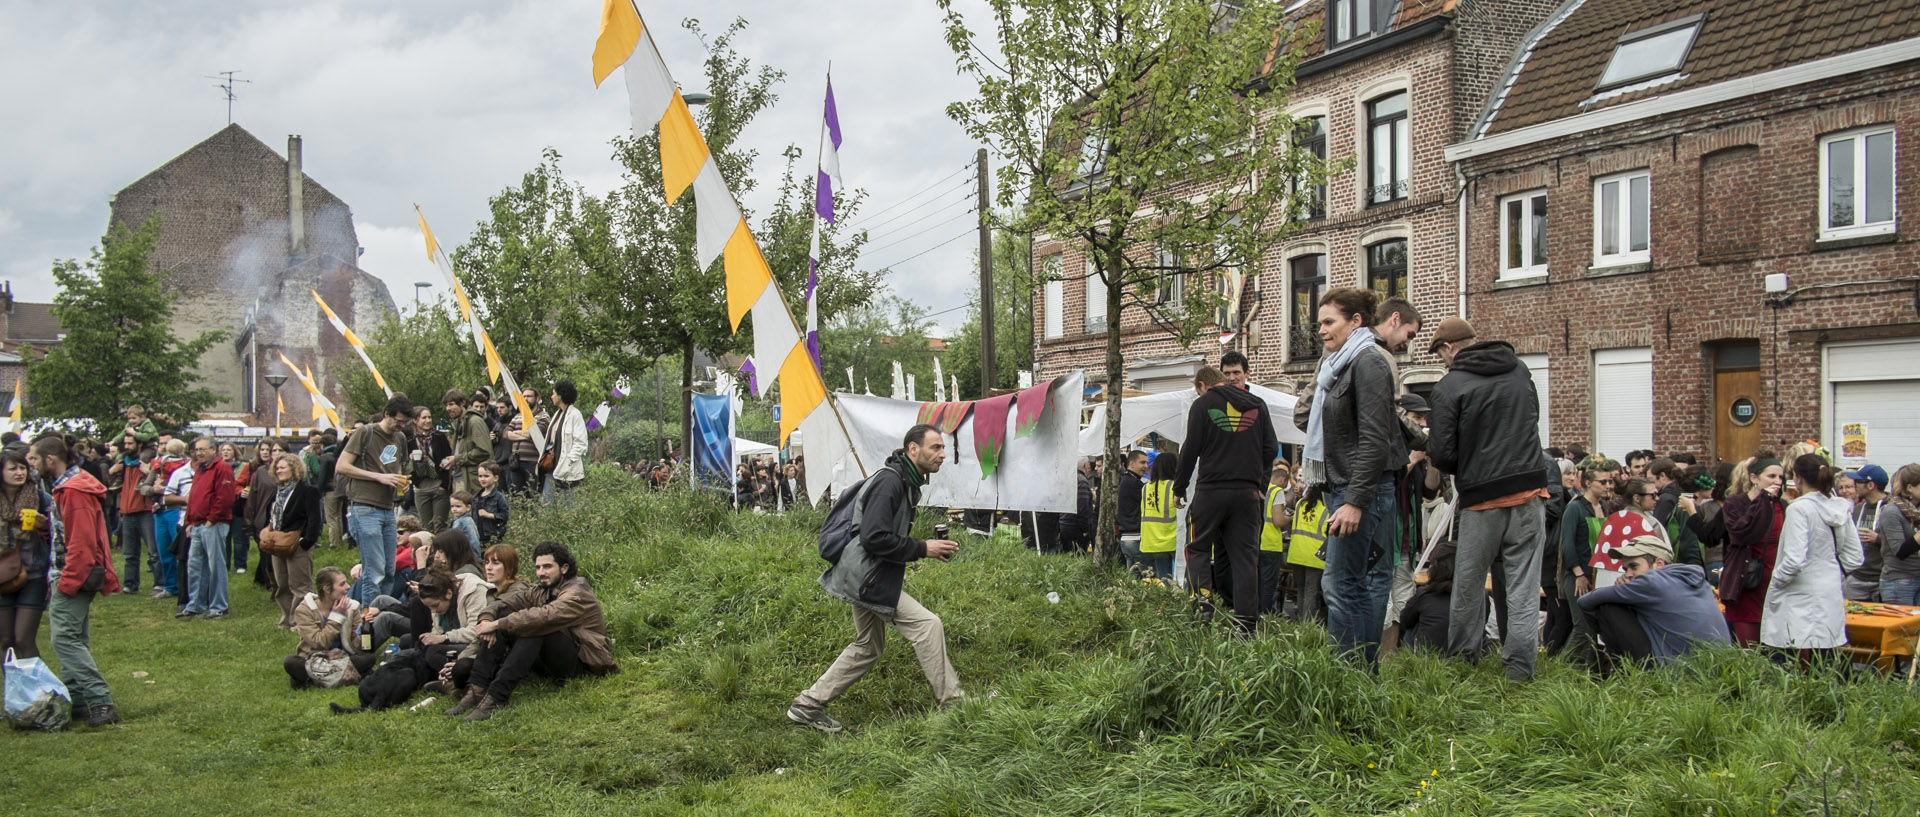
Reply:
x=1889, y=635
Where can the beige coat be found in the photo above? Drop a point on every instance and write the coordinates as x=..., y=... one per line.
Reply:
x=469, y=602
x=318, y=626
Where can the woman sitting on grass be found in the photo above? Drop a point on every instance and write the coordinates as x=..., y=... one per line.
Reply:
x=453, y=603
x=503, y=571
x=323, y=621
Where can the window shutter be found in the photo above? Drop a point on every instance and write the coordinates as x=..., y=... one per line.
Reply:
x=1622, y=400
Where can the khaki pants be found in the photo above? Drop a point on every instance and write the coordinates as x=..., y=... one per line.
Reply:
x=917, y=624
x=335, y=504
x=292, y=579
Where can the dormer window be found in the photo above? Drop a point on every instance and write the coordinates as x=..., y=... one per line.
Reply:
x=1356, y=19
x=1651, y=53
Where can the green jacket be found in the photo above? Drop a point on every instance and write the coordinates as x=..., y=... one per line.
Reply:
x=145, y=432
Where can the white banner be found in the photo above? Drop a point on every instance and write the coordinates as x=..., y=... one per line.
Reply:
x=1166, y=413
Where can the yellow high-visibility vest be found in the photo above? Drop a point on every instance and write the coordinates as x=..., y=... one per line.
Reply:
x=1309, y=530
x=1272, y=538
x=1159, y=531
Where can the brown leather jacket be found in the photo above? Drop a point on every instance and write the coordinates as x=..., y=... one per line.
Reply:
x=570, y=607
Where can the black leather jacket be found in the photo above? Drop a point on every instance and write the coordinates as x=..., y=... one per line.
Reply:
x=1364, y=443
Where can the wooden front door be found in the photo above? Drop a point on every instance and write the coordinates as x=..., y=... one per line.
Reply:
x=1736, y=412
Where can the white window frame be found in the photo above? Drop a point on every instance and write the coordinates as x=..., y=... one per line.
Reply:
x=1859, y=137
x=1528, y=270
x=1096, y=301
x=1053, y=301
x=1628, y=256
x=1169, y=286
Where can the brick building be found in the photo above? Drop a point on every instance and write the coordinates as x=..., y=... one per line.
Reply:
x=1388, y=84
x=244, y=233
x=27, y=331
x=1686, y=217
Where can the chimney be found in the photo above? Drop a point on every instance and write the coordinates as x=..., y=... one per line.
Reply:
x=296, y=204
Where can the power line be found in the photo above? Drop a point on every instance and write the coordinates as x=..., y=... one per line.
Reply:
x=969, y=232
x=969, y=211
x=945, y=195
x=889, y=208
x=943, y=209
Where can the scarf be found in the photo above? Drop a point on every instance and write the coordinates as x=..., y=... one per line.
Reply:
x=1359, y=341
x=10, y=509
x=280, y=497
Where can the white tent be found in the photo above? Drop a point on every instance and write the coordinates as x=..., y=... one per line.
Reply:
x=1166, y=413
x=744, y=448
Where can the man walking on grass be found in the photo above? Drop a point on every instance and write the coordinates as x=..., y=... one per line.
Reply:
x=869, y=575
x=82, y=570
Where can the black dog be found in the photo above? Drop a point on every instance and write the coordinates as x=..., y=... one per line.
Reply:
x=391, y=684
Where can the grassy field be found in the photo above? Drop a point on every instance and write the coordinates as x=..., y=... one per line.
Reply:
x=1110, y=702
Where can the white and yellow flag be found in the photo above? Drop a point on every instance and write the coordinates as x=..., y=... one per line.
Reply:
x=496, y=372
x=721, y=231
x=322, y=407
x=352, y=340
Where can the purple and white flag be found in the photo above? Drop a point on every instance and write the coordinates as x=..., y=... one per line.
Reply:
x=826, y=184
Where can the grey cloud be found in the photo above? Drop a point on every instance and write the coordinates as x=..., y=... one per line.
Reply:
x=443, y=104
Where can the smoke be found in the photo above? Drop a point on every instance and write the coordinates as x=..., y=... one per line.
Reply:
x=255, y=263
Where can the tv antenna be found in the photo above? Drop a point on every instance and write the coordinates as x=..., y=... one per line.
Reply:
x=226, y=85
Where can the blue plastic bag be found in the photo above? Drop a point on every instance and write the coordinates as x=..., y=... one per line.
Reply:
x=35, y=697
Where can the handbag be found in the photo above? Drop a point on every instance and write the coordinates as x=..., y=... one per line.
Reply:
x=35, y=698
x=13, y=574
x=329, y=671
x=281, y=543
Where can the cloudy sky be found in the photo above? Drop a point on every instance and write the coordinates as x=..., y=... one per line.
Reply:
x=445, y=102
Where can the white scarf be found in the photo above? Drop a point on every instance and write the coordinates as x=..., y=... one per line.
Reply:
x=1357, y=342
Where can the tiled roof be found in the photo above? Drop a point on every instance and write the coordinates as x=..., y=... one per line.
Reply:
x=33, y=322
x=1738, y=38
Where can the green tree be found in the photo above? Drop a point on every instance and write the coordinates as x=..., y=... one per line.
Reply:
x=1099, y=106
x=869, y=337
x=519, y=266
x=421, y=354
x=650, y=299
x=1012, y=323
x=119, y=348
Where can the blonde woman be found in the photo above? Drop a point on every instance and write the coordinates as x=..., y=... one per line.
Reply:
x=292, y=511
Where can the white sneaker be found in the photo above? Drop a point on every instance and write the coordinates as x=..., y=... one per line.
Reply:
x=239, y=571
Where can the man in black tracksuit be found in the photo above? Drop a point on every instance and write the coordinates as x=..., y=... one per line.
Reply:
x=1227, y=428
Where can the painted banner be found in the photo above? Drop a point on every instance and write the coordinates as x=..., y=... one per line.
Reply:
x=1034, y=474
x=711, y=449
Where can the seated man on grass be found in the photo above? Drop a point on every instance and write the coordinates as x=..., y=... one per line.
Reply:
x=1658, y=611
x=555, y=629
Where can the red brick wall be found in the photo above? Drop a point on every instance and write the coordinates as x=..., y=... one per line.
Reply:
x=1734, y=193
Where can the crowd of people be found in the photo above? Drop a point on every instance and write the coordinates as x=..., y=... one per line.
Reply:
x=425, y=501
x=1413, y=521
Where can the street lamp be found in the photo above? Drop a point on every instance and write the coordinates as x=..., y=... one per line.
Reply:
x=276, y=380
x=697, y=98
x=418, y=286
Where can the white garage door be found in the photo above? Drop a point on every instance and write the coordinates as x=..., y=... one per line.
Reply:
x=1537, y=366
x=1622, y=401
x=1877, y=385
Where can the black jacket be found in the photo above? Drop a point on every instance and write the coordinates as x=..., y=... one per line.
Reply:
x=1485, y=425
x=1364, y=440
x=873, y=568
x=1230, y=429
x=1129, y=517
x=302, y=514
x=1076, y=529
x=436, y=448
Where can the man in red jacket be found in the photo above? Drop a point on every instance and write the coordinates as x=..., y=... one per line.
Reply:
x=85, y=570
x=209, y=511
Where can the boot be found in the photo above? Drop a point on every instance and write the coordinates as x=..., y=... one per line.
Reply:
x=484, y=710
x=472, y=699
x=436, y=686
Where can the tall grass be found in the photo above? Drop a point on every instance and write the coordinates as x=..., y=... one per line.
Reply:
x=1110, y=702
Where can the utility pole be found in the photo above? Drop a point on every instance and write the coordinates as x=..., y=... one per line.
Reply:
x=986, y=280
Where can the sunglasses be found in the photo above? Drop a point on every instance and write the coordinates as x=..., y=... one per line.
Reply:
x=1603, y=482
x=1655, y=493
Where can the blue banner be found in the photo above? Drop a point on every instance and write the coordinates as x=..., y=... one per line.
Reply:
x=712, y=446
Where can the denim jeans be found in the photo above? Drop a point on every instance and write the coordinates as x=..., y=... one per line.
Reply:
x=207, y=568
x=373, y=532
x=561, y=487
x=1900, y=591
x=1272, y=564
x=136, y=528
x=1355, y=585
x=237, y=544
x=166, y=528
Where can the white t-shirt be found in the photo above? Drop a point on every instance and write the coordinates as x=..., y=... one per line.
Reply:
x=180, y=482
